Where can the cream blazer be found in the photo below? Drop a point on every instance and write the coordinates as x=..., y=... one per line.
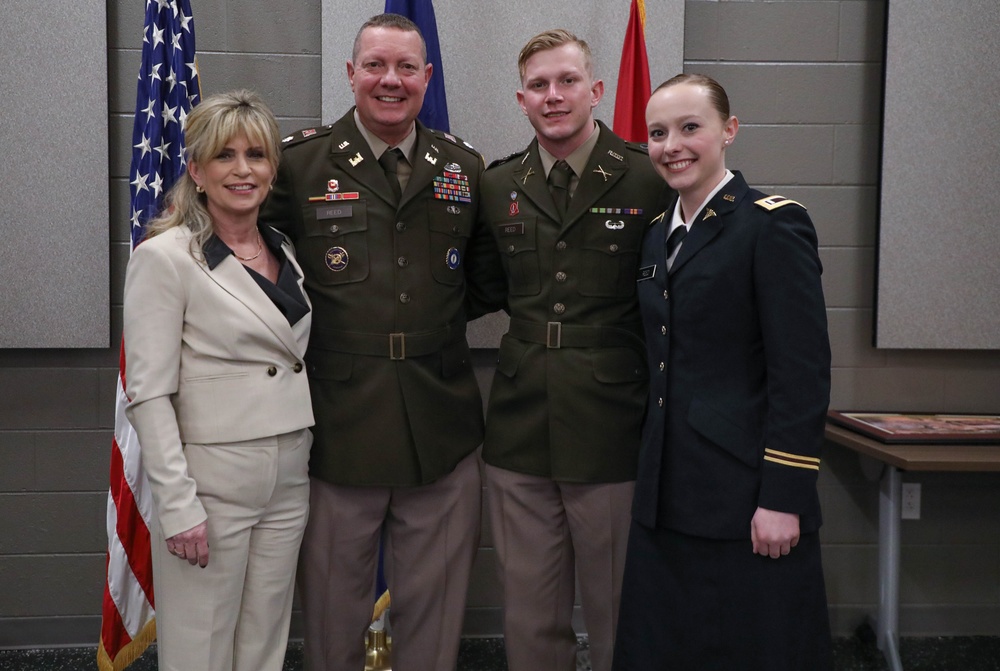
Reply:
x=209, y=359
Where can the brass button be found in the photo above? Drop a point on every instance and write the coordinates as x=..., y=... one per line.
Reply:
x=272, y=371
x=662, y=365
x=663, y=330
x=660, y=401
x=402, y=262
x=666, y=295
x=613, y=248
x=510, y=249
x=456, y=230
x=560, y=276
x=404, y=298
x=400, y=226
x=297, y=367
x=334, y=228
x=559, y=308
x=561, y=245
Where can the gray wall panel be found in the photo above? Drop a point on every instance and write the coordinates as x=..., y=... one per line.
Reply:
x=54, y=209
x=939, y=280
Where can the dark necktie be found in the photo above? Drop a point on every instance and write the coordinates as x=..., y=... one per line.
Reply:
x=389, y=160
x=559, y=177
x=675, y=238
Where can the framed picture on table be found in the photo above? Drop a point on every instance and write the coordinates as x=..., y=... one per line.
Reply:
x=912, y=427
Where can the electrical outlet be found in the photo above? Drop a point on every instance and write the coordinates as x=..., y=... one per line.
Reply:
x=911, y=501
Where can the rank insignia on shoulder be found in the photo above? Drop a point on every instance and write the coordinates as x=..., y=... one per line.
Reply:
x=288, y=139
x=309, y=132
x=774, y=202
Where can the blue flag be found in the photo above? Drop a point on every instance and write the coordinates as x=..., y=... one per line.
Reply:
x=168, y=87
x=434, y=113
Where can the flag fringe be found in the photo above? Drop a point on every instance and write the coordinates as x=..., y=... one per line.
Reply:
x=128, y=653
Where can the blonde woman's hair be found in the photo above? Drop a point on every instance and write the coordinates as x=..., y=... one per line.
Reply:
x=209, y=127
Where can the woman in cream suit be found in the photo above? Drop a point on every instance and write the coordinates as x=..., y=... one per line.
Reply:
x=216, y=326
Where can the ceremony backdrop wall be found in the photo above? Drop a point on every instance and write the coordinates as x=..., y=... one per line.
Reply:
x=805, y=78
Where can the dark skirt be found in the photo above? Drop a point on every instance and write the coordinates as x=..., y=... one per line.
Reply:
x=701, y=604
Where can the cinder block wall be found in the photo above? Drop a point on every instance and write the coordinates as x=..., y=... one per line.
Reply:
x=805, y=79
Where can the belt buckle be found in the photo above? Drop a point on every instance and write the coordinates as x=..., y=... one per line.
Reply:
x=397, y=341
x=553, y=329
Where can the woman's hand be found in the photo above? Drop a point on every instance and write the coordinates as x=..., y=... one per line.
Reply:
x=773, y=533
x=191, y=545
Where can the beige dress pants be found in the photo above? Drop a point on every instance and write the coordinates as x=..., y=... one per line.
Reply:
x=233, y=615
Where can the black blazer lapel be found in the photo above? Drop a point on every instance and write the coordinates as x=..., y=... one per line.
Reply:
x=711, y=220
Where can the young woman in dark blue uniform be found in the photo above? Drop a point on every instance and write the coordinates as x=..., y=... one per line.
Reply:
x=723, y=568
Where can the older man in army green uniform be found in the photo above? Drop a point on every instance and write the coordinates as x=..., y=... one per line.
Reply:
x=381, y=211
x=562, y=432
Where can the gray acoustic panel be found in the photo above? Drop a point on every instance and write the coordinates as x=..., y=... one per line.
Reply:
x=54, y=260
x=480, y=42
x=938, y=247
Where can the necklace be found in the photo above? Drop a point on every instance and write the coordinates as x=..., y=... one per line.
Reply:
x=260, y=248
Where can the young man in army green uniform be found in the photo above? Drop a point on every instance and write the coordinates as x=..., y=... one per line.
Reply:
x=381, y=211
x=568, y=216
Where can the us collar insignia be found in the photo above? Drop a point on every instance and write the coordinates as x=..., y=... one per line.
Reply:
x=612, y=154
x=526, y=176
x=430, y=159
x=602, y=172
x=729, y=197
x=343, y=144
x=709, y=213
x=354, y=160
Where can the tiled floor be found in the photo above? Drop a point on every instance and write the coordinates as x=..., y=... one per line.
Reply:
x=974, y=653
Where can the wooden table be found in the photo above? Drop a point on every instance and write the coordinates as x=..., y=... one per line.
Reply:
x=898, y=458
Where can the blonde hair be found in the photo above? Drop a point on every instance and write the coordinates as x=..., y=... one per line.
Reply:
x=552, y=39
x=211, y=125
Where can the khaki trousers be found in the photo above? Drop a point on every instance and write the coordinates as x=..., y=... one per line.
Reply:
x=549, y=535
x=431, y=534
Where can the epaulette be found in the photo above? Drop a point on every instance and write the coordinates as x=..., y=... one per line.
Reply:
x=774, y=202
x=501, y=161
x=639, y=147
x=305, y=134
x=457, y=141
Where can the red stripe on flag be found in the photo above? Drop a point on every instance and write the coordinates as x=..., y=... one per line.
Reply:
x=131, y=526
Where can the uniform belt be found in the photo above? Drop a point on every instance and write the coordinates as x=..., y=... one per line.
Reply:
x=556, y=335
x=396, y=346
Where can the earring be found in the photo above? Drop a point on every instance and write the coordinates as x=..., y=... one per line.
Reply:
x=726, y=142
x=199, y=188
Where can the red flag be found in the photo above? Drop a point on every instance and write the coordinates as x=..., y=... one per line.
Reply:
x=168, y=87
x=633, y=79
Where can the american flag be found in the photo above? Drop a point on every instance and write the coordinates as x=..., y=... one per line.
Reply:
x=167, y=89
